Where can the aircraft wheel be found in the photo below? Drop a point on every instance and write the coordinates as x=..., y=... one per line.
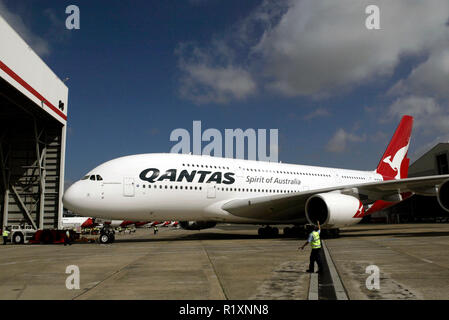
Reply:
x=17, y=238
x=268, y=232
x=262, y=232
x=105, y=238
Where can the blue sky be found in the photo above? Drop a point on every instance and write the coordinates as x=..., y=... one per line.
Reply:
x=334, y=89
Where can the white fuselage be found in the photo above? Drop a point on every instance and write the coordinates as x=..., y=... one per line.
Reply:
x=181, y=187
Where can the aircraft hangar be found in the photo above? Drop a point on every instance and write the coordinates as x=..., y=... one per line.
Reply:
x=33, y=118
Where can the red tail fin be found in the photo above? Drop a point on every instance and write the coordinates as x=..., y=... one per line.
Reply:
x=394, y=162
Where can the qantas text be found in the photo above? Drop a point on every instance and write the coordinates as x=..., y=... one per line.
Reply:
x=153, y=175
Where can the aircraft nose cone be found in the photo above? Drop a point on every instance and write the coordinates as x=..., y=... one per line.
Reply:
x=71, y=198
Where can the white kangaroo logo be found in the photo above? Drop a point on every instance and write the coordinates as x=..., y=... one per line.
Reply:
x=397, y=160
x=359, y=211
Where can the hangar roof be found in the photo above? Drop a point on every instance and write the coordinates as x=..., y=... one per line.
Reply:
x=23, y=69
x=432, y=162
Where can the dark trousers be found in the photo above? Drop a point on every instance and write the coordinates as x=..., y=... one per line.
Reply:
x=315, y=255
x=5, y=239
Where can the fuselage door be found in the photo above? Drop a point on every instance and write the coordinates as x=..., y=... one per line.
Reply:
x=128, y=187
x=211, y=190
x=338, y=180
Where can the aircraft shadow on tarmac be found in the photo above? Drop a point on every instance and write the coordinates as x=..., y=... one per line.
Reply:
x=376, y=229
x=417, y=234
x=205, y=236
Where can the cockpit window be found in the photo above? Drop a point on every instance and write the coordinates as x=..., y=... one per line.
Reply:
x=93, y=177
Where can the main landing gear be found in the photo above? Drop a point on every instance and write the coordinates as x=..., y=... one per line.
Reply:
x=268, y=232
x=330, y=233
x=298, y=231
x=301, y=232
x=295, y=232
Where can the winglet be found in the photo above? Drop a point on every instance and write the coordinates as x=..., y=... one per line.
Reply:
x=394, y=163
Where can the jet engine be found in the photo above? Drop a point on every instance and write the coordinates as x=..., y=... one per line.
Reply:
x=197, y=225
x=443, y=195
x=334, y=210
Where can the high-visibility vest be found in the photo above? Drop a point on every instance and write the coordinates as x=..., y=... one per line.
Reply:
x=316, y=242
x=5, y=233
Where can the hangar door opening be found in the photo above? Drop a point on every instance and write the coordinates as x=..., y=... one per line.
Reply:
x=30, y=162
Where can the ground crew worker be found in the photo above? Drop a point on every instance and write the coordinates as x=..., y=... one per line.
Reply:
x=155, y=230
x=315, y=255
x=5, y=235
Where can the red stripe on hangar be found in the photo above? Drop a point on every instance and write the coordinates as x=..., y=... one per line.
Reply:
x=24, y=84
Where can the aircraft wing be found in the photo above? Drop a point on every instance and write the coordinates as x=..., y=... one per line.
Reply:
x=291, y=206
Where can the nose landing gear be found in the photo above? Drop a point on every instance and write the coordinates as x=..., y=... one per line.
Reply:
x=107, y=235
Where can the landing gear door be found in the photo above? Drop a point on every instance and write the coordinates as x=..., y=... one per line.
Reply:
x=211, y=190
x=128, y=187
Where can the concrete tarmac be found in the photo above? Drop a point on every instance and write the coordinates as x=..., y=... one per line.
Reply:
x=230, y=262
x=219, y=263
x=412, y=261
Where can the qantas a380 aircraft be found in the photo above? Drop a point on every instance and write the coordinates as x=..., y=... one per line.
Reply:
x=201, y=191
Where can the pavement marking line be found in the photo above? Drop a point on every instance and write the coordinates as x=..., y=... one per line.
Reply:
x=425, y=260
x=111, y=276
x=99, y=283
x=215, y=271
x=338, y=286
x=313, y=286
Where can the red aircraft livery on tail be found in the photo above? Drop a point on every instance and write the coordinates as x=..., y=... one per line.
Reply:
x=394, y=162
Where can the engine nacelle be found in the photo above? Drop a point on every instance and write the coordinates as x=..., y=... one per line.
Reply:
x=443, y=195
x=197, y=225
x=334, y=210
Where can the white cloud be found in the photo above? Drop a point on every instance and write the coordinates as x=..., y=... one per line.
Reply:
x=430, y=77
x=212, y=76
x=322, y=46
x=429, y=116
x=318, y=113
x=38, y=44
x=339, y=142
